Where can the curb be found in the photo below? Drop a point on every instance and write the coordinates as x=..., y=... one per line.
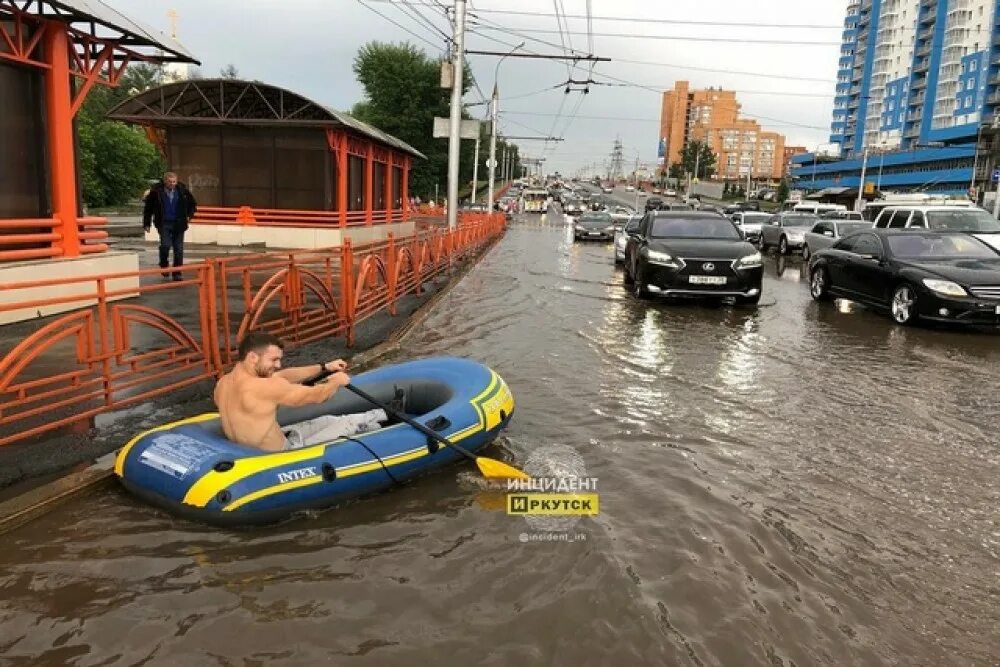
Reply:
x=39, y=500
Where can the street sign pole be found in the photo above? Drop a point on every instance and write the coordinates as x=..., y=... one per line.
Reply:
x=454, y=134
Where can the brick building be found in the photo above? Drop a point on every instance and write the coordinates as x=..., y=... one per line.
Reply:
x=712, y=115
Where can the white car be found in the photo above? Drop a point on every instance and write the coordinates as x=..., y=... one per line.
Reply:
x=609, y=190
x=629, y=188
x=621, y=236
x=670, y=193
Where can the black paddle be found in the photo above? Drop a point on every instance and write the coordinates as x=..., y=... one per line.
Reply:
x=491, y=468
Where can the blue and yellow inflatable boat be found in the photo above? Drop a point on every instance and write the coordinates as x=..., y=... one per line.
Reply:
x=189, y=467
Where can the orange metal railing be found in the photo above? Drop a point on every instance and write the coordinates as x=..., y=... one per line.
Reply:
x=15, y=234
x=246, y=215
x=124, y=344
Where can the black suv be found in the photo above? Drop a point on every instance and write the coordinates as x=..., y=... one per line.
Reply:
x=654, y=204
x=691, y=254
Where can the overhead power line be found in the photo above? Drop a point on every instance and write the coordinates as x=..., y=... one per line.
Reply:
x=682, y=38
x=399, y=25
x=643, y=19
x=777, y=122
x=727, y=71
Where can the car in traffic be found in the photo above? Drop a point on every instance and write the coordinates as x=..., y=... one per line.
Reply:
x=670, y=193
x=827, y=231
x=786, y=231
x=653, y=204
x=621, y=236
x=691, y=254
x=842, y=215
x=953, y=218
x=750, y=223
x=629, y=188
x=592, y=226
x=620, y=214
x=912, y=274
x=572, y=208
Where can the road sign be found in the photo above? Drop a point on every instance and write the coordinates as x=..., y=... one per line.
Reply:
x=468, y=130
x=491, y=164
x=996, y=175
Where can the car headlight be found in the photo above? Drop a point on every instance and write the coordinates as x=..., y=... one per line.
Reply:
x=657, y=257
x=620, y=242
x=610, y=229
x=795, y=234
x=750, y=261
x=945, y=287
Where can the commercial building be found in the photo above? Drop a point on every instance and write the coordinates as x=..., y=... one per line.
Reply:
x=917, y=79
x=712, y=115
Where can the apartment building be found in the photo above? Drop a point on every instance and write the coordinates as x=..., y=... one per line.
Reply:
x=712, y=115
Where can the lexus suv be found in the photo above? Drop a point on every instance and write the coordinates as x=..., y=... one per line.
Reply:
x=691, y=254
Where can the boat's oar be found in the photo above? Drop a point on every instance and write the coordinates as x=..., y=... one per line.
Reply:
x=491, y=468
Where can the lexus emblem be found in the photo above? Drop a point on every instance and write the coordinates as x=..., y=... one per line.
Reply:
x=708, y=266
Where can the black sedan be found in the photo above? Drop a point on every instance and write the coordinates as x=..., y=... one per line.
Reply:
x=594, y=227
x=940, y=276
x=692, y=254
x=653, y=204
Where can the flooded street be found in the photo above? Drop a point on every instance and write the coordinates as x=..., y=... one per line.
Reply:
x=794, y=483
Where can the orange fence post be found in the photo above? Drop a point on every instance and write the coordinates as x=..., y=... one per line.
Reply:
x=347, y=288
x=390, y=268
x=59, y=117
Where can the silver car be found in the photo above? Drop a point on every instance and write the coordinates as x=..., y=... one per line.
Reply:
x=750, y=223
x=621, y=236
x=786, y=231
x=827, y=232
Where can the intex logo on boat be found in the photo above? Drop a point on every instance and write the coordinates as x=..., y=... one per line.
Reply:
x=296, y=475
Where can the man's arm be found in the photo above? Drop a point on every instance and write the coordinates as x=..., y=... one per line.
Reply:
x=297, y=374
x=281, y=391
x=147, y=209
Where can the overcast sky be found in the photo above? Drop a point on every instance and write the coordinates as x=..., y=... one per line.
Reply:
x=308, y=46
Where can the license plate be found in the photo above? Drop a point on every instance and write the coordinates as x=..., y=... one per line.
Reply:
x=594, y=234
x=707, y=280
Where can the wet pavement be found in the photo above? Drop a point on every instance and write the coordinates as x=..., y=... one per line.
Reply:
x=794, y=483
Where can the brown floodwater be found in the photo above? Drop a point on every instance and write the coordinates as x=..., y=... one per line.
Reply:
x=790, y=484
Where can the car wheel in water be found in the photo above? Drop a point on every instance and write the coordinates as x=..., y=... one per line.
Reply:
x=904, y=304
x=626, y=274
x=749, y=300
x=783, y=246
x=819, y=284
x=639, y=285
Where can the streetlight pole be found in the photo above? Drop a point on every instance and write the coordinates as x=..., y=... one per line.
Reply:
x=475, y=170
x=455, y=121
x=494, y=104
x=861, y=185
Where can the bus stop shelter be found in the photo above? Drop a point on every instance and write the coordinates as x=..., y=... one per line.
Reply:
x=272, y=167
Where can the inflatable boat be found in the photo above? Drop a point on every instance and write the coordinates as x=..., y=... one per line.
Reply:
x=189, y=468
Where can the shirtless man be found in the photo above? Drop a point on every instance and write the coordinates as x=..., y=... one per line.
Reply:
x=249, y=395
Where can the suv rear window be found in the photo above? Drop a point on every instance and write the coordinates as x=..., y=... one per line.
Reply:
x=899, y=217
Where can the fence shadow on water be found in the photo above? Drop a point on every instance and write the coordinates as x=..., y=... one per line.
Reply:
x=122, y=345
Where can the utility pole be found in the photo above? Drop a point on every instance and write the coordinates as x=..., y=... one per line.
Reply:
x=861, y=185
x=635, y=179
x=493, y=146
x=475, y=175
x=455, y=125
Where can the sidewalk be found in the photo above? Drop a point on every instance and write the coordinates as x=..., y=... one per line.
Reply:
x=61, y=450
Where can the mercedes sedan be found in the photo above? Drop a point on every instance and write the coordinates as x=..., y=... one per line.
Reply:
x=594, y=227
x=940, y=276
x=691, y=254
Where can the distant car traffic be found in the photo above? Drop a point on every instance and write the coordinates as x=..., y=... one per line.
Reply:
x=786, y=231
x=941, y=276
x=670, y=193
x=629, y=188
x=691, y=254
x=826, y=232
x=594, y=227
x=653, y=203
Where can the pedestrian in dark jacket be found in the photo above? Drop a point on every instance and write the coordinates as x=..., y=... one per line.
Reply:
x=168, y=207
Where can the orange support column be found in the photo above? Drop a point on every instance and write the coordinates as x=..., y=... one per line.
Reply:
x=390, y=177
x=59, y=117
x=369, y=182
x=342, y=178
x=404, y=189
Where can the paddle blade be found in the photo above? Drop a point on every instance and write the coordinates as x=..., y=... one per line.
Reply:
x=493, y=469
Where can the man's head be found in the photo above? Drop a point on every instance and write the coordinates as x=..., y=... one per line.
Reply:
x=170, y=180
x=261, y=353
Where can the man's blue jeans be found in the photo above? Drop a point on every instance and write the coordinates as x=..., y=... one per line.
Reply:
x=170, y=237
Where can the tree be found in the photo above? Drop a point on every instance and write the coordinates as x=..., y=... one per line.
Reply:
x=116, y=160
x=725, y=190
x=229, y=72
x=402, y=96
x=782, y=194
x=698, y=154
x=677, y=171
